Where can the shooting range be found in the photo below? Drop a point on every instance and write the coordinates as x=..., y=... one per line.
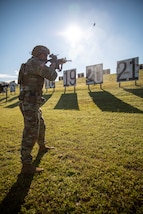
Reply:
x=127, y=70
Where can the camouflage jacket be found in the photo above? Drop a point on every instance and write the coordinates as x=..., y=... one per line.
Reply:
x=31, y=79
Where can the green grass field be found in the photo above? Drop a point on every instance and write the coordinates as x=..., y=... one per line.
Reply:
x=97, y=164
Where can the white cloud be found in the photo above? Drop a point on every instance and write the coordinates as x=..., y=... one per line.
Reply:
x=7, y=77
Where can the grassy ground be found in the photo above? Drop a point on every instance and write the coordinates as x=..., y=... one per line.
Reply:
x=97, y=163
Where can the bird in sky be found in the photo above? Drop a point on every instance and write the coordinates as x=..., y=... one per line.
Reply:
x=94, y=24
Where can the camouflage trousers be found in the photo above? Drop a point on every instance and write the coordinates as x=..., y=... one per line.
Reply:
x=34, y=130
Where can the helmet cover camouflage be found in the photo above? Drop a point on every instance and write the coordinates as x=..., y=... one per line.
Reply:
x=37, y=50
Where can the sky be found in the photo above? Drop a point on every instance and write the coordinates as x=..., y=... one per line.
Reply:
x=86, y=32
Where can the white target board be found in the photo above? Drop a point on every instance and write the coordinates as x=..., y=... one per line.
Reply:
x=12, y=86
x=128, y=69
x=49, y=84
x=69, y=77
x=94, y=74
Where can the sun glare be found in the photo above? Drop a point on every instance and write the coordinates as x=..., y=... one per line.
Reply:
x=73, y=33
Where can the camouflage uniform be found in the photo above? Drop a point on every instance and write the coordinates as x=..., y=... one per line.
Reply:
x=31, y=80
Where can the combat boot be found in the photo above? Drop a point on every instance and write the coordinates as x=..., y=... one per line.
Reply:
x=30, y=169
x=44, y=149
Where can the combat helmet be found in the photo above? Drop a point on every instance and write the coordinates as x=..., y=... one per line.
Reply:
x=37, y=50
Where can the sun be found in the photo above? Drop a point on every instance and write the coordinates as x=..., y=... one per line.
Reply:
x=73, y=34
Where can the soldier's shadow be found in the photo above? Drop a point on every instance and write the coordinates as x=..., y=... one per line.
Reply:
x=15, y=198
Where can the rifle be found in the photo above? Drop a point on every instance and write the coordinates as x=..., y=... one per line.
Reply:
x=59, y=62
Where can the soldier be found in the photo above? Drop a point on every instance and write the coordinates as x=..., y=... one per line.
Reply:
x=31, y=80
